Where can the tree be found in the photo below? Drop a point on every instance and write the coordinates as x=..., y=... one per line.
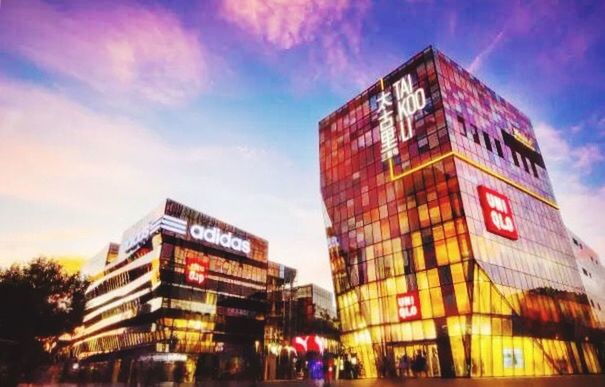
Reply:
x=38, y=303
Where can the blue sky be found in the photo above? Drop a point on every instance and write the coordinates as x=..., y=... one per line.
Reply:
x=108, y=107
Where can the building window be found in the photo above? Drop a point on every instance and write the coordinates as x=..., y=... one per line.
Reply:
x=525, y=166
x=461, y=125
x=488, y=142
x=535, y=170
x=499, y=148
x=515, y=159
x=475, y=134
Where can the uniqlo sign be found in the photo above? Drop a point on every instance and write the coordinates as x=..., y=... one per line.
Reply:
x=408, y=306
x=196, y=271
x=497, y=213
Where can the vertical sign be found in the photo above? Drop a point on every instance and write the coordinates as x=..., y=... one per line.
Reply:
x=409, y=102
x=196, y=271
x=497, y=213
x=408, y=306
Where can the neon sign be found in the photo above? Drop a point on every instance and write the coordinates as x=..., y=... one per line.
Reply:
x=523, y=139
x=408, y=306
x=178, y=226
x=219, y=237
x=497, y=213
x=409, y=102
x=196, y=271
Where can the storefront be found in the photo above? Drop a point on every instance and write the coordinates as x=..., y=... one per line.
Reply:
x=445, y=240
x=183, y=297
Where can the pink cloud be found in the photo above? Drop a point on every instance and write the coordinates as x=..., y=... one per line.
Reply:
x=118, y=51
x=582, y=204
x=328, y=32
x=284, y=23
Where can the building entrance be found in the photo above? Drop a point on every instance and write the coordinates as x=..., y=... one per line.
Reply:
x=423, y=359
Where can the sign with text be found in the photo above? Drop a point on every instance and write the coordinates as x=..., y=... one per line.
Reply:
x=408, y=306
x=408, y=101
x=497, y=213
x=196, y=271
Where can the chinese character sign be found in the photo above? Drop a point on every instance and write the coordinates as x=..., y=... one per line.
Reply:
x=196, y=271
x=408, y=306
x=497, y=213
x=386, y=123
x=409, y=102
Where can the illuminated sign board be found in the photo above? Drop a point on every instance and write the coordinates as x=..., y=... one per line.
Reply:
x=523, y=139
x=311, y=343
x=196, y=271
x=219, y=237
x=409, y=101
x=408, y=306
x=497, y=213
x=213, y=235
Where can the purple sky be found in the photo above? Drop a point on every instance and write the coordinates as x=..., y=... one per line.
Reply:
x=108, y=107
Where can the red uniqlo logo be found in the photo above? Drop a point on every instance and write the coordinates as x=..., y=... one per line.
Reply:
x=497, y=213
x=196, y=270
x=408, y=306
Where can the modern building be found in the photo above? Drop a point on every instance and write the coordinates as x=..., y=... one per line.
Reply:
x=313, y=311
x=445, y=239
x=592, y=273
x=183, y=296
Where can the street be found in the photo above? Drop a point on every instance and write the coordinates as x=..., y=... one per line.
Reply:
x=553, y=381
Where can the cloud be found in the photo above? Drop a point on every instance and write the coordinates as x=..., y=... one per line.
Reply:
x=328, y=33
x=284, y=23
x=482, y=56
x=74, y=179
x=582, y=204
x=120, y=50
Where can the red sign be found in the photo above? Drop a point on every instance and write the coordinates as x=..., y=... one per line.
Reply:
x=196, y=270
x=311, y=343
x=497, y=213
x=408, y=306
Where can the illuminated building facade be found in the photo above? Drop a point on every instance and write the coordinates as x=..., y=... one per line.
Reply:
x=444, y=235
x=184, y=294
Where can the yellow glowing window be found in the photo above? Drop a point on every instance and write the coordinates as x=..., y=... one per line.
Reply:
x=429, y=329
x=437, y=302
x=433, y=277
x=435, y=214
x=419, y=258
x=462, y=300
x=453, y=250
x=425, y=304
x=416, y=239
x=486, y=356
x=450, y=229
x=423, y=215
x=457, y=273
x=441, y=253
x=438, y=233
x=497, y=355
x=422, y=280
x=417, y=331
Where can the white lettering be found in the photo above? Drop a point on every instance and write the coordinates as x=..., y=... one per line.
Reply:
x=218, y=237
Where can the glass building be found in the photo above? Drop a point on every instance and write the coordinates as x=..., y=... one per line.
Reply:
x=445, y=239
x=183, y=296
x=592, y=273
